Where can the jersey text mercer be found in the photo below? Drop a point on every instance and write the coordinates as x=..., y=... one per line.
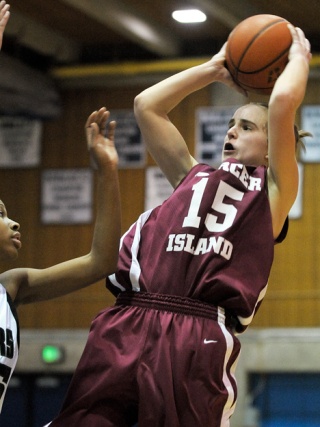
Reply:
x=240, y=171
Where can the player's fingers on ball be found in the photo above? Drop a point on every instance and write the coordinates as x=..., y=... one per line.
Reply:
x=293, y=31
x=306, y=43
x=308, y=46
x=223, y=48
x=302, y=38
x=301, y=35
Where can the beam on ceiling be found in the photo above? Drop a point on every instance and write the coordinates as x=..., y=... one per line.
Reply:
x=24, y=90
x=123, y=18
x=134, y=73
x=40, y=39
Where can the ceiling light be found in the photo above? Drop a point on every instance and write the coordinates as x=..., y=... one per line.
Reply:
x=189, y=16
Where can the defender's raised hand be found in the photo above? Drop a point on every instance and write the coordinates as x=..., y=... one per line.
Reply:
x=100, y=138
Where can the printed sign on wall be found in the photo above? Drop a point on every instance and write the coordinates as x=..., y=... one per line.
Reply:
x=131, y=150
x=211, y=128
x=158, y=187
x=310, y=122
x=297, y=208
x=66, y=196
x=19, y=142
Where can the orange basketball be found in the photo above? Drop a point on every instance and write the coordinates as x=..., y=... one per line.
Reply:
x=257, y=52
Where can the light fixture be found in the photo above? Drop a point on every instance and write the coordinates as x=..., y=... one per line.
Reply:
x=189, y=16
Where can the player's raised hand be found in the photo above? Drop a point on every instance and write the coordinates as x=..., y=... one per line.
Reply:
x=300, y=44
x=4, y=17
x=100, y=138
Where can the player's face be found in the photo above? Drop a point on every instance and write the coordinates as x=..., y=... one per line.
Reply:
x=246, y=139
x=9, y=236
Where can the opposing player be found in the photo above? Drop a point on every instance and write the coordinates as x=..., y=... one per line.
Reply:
x=26, y=285
x=193, y=271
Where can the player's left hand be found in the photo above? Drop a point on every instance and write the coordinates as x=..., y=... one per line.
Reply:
x=300, y=44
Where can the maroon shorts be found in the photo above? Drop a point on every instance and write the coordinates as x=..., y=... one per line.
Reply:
x=157, y=360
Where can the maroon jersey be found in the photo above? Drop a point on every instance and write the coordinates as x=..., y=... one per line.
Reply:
x=211, y=240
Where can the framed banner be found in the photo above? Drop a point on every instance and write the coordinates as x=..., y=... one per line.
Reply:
x=131, y=150
x=158, y=187
x=20, y=142
x=297, y=208
x=211, y=128
x=66, y=196
x=310, y=122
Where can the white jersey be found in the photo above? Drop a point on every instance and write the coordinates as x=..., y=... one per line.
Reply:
x=9, y=341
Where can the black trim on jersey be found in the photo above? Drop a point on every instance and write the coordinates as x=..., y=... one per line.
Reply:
x=113, y=289
x=283, y=232
x=15, y=315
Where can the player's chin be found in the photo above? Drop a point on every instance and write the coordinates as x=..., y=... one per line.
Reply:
x=13, y=253
x=228, y=155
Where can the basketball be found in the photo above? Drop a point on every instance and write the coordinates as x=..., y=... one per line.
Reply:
x=257, y=52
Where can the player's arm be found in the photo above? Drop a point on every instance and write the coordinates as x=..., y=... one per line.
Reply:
x=164, y=142
x=286, y=97
x=32, y=284
x=4, y=17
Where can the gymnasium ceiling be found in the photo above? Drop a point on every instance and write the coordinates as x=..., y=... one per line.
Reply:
x=47, y=35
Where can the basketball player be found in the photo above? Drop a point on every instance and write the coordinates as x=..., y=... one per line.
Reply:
x=192, y=272
x=26, y=285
